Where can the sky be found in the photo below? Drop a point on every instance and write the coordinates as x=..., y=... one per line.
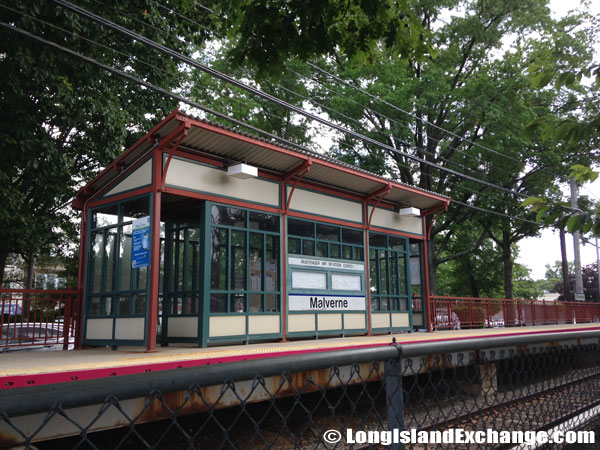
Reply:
x=535, y=253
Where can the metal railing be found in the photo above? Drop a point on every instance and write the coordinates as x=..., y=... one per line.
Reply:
x=471, y=312
x=37, y=318
x=513, y=384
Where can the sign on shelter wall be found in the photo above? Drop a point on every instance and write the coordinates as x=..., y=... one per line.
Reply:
x=140, y=255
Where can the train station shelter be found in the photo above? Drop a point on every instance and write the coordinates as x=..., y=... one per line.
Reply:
x=202, y=234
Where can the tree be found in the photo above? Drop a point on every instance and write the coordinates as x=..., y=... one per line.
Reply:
x=482, y=95
x=64, y=119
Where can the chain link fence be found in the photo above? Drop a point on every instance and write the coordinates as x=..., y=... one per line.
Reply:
x=505, y=388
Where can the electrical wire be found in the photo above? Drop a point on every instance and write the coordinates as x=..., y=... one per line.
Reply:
x=217, y=74
x=184, y=100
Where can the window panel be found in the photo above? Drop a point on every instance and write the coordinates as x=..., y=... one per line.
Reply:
x=96, y=261
x=272, y=264
x=255, y=303
x=272, y=302
x=256, y=262
x=219, y=259
x=124, y=304
x=308, y=248
x=134, y=209
x=377, y=240
x=301, y=228
x=139, y=303
x=223, y=215
x=218, y=303
x=125, y=258
x=322, y=249
x=238, y=260
x=105, y=216
x=238, y=303
x=352, y=236
x=110, y=251
x=334, y=251
x=264, y=222
x=328, y=232
x=294, y=246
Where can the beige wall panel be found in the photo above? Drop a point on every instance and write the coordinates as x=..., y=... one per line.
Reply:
x=227, y=326
x=327, y=322
x=263, y=324
x=301, y=322
x=385, y=218
x=99, y=329
x=142, y=176
x=354, y=321
x=130, y=329
x=325, y=205
x=187, y=175
x=418, y=319
x=400, y=320
x=185, y=327
x=380, y=320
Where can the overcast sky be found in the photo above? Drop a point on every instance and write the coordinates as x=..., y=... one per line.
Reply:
x=537, y=252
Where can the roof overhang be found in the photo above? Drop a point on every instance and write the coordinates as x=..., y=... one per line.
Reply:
x=232, y=147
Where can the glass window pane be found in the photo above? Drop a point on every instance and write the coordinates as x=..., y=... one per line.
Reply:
x=238, y=303
x=105, y=216
x=272, y=264
x=139, y=303
x=218, y=303
x=106, y=306
x=125, y=258
x=373, y=285
x=383, y=275
x=301, y=228
x=397, y=243
x=96, y=261
x=352, y=236
x=359, y=254
x=377, y=240
x=124, y=304
x=334, y=251
x=218, y=278
x=383, y=304
x=393, y=274
x=142, y=273
x=264, y=222
x=294, y=246
x=322, y=249
x=308, y=248
x=94, y=306
x=238, y=260
x=255, y=303
x=272, y=303
x=109, y=248
x=374, y=303
x=256, y=262
x=328, y=232
x=134, y=209
x=415, y=249
x=347, y=251
x=402, y=286
x=228, y=216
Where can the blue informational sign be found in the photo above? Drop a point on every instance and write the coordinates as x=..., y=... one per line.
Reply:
x=140, y=255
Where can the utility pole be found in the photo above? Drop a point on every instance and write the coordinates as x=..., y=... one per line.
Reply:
x=579, y=295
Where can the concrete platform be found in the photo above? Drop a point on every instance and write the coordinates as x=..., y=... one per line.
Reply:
x=27, y=368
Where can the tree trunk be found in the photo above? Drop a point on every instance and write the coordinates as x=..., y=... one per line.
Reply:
x=3, y=258
x=30, y=267
x=507, y=263
x=472, y=281
x=565, y=265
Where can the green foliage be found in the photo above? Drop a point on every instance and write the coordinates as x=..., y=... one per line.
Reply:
x=266, y=34
x=64, y=119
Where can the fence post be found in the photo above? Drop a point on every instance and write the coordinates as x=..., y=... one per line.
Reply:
x=68, y=299
x=394, y=396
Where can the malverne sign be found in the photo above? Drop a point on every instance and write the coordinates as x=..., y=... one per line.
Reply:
x=303, y=302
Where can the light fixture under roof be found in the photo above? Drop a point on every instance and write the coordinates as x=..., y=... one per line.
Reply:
x=410, y=212
x=242, y=171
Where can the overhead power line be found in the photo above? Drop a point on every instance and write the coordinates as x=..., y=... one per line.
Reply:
x=217, y=74
x=184, y=100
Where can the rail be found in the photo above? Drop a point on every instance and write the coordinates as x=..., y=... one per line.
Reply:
x=510, y=384
x=472, y=312
x=37, y=318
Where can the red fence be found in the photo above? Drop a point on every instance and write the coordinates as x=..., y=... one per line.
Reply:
x=37, y=318
x=470, y=312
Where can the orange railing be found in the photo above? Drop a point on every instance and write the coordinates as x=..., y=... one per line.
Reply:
x=470, y=312
x=38, y=318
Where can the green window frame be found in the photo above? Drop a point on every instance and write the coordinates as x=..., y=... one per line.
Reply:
x=324, y=240
x=244, y=260
x=389, y=277
x=113, y=288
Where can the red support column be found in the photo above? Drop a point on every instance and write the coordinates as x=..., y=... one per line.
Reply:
x=155, y=255
x=77, y=309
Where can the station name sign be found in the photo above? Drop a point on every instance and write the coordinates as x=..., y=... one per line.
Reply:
x=303, y=302
x=318, y=263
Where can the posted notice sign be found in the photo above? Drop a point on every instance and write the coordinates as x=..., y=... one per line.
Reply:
x=303, y=302
x=140, y=254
